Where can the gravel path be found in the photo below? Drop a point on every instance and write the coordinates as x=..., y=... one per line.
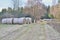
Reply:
x=29, y=32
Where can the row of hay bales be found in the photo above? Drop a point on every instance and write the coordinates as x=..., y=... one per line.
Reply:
x=21, y=20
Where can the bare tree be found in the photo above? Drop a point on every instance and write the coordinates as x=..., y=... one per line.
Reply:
x=33, y=2
x=35, y=8
x=15, y=4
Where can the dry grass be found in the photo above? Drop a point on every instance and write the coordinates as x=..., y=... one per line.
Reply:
x=55, y=25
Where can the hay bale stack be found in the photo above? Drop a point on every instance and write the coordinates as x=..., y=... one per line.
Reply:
x=21, y=20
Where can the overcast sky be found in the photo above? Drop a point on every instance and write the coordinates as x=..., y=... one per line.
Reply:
x=7, y=3
x=47, y=2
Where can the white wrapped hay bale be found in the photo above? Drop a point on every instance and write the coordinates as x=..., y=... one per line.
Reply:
x=9, y=20
x=15, y=20
x=18, y=20
x=4, y=20
x=28, y=20
x=21, y=20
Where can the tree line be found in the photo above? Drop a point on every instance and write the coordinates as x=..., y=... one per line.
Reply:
x=33, y=9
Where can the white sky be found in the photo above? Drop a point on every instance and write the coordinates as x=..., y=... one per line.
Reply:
x=47, y=2
x=7, y=3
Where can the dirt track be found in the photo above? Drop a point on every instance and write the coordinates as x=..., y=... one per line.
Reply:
x=29, y=32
